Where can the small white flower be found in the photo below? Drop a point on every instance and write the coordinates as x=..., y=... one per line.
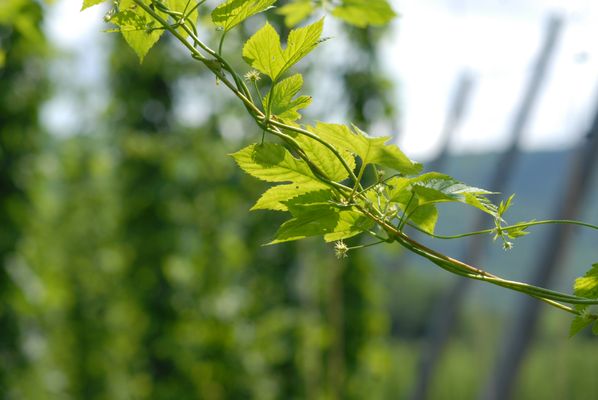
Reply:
x=340, y=249
x=253, y=76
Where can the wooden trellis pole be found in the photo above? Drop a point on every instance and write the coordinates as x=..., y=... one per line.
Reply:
x=445, y=316
x=517, y=342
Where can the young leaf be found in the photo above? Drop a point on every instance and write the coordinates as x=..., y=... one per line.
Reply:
x=434, y=187
x=263, y=50
x=89, y=3
x=585, y=286
x=296, y=11
x=370, y=150
x=362, y=13
x=232, y=12
x=139, y=30
x=282, y=103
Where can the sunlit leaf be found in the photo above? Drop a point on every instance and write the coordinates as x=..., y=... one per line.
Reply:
x=371, y=150
x=276, y=197
x=140, y=31
x=271, y=162
x=585, y=286
x=362, y=13
x=186, y=7
x=434, y=187
x=283, y=104
x=263, y=50
x=89, y=3
x=296, y=11
x=232, y=12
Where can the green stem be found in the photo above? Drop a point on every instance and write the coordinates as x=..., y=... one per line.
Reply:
x=274, y=127
x=506, y=228
x=363, y=246
x=403, y=219
x=221, y=43
x=315, y=137
x=359, y=176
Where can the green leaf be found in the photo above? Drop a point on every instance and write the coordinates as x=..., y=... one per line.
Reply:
x=282, y=103
x=434, y=187
x=425, y=217
x=276, y=197
x=184, y=6
x=517, y=232
x=89, y=3
x=362, y=13
x=350, y=223
x=296, y=11
x=370, y=150
x=271, y=162
x=587, y=285
x=321, y=220
x=232, y=12
x=263, y=50
x=578, y=324
x=140, y=31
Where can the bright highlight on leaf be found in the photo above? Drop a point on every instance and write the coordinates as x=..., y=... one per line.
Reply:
x=296, y=11
x=232, y=12
x=370, y=150
x=362, y=13
x=264, y=52
x=139, y=30
x=89, y=3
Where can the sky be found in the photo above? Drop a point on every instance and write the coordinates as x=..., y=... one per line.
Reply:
x=432, y=43
x=496, y=42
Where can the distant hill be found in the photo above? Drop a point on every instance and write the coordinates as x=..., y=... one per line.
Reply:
x=538, y=183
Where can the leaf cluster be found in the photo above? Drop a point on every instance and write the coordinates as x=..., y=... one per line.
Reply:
x=320, y=169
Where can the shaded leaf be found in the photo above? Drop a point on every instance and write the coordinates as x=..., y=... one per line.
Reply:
x=578, y=324
x=425, y=217
x=321, y=220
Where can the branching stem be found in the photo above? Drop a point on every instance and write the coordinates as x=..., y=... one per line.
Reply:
x=218, y=66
